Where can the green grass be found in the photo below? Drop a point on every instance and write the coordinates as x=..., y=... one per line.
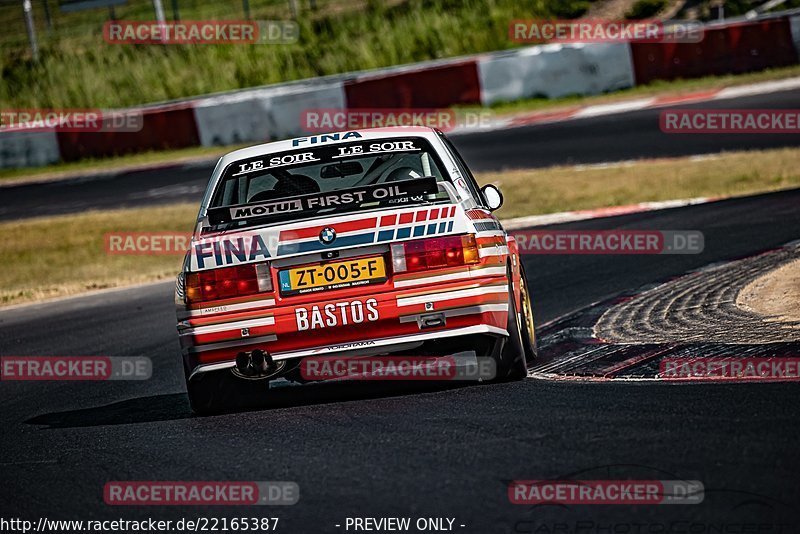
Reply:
x=79, y=69
x=567, y=188
x=58, y=256
x=645, y=9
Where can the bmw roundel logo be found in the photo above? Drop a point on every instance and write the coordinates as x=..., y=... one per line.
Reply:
x=327, y=235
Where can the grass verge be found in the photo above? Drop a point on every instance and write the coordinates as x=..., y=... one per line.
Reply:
x=80, y=69
x=531, y=192
x=65, y=255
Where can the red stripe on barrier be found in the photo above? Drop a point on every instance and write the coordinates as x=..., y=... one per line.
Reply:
x=734, y=49
x=432, y=87
x=162, y=128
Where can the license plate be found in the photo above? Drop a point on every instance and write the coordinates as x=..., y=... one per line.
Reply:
x=336, y=275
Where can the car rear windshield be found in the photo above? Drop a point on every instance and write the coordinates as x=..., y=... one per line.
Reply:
x=325, y=169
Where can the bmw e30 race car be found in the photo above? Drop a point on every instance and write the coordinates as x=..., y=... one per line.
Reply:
x=358, y=243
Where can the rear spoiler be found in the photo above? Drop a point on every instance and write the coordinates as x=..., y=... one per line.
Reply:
x=399, y=192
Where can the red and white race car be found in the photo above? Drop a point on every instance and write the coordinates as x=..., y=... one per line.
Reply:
x=359, y=243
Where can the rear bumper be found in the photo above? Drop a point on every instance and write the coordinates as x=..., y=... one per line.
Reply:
x=366, y=347
x=393, y=321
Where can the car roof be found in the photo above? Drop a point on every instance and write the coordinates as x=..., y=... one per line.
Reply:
x=327, y=139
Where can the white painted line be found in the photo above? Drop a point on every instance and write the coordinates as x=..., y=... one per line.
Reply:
x=627, y=106
x=611, y=109
x=758, y=88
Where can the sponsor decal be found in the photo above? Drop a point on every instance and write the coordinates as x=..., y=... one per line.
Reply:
x=200, y=493
x=395, y=192
x=275, y=162
x=230, y=250
x=336, y=314
x=376, y=148
x=319, y=139
x=353, y=345
x=266, y=209
x=297, y=158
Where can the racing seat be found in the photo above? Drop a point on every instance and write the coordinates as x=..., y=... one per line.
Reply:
x=403, y=173
x=289, y=185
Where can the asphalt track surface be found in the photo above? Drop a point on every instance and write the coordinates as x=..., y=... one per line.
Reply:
x=620, y=137
x=380, y=450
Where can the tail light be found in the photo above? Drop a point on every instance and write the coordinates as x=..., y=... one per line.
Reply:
x=228, y=282
x=434, y=253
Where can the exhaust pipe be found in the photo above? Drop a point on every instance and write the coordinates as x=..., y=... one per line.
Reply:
x=262, y=361
x=243, y=364
x=256, y=364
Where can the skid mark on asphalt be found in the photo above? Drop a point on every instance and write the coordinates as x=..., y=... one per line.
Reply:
x=700, y=307
x=693, y=316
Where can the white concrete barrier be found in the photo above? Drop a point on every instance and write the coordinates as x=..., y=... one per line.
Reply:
x=262, y=114
x=28, y=149
x=794, y=23
x=555, y=70
x=232, y=119
x=289, y=104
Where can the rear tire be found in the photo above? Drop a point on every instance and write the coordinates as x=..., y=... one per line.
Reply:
x=511, y=363
x=526, y=322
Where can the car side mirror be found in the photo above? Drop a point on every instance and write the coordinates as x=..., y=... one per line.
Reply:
x=494, y=198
